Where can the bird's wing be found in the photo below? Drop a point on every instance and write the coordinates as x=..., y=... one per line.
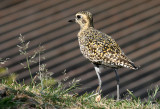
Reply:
x=108, y=51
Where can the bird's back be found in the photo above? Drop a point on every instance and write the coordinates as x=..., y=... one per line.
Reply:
x=101, y=49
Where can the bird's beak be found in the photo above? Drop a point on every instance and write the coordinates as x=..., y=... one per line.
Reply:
x=72, y=20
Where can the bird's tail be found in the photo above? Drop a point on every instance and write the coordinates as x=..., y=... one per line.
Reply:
x=132, y=66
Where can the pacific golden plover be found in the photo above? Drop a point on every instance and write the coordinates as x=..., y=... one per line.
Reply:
x=100, y=48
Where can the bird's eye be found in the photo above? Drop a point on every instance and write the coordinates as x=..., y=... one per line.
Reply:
x=78, y=16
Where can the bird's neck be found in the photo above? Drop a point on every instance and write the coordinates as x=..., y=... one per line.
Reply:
x=83, y=31
x=86, y=25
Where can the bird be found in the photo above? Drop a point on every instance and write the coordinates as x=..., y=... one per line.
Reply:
x=99, y=48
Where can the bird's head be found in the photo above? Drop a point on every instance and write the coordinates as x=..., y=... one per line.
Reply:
x=84, y=19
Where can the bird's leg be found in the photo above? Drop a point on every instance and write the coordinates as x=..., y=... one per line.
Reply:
x=117, y=79
x=97, y=69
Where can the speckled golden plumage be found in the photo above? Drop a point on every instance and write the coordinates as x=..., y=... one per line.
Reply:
x=99, y=47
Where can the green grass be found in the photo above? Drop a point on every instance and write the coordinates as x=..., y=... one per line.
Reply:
x=14, y=95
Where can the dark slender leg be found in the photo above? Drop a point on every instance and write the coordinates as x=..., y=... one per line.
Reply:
x=117, y=79
x=99, y=78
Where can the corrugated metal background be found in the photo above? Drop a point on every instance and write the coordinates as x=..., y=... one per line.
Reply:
x=134, y=24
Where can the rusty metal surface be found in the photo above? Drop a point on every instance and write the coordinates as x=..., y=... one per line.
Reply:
x=134, y=24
